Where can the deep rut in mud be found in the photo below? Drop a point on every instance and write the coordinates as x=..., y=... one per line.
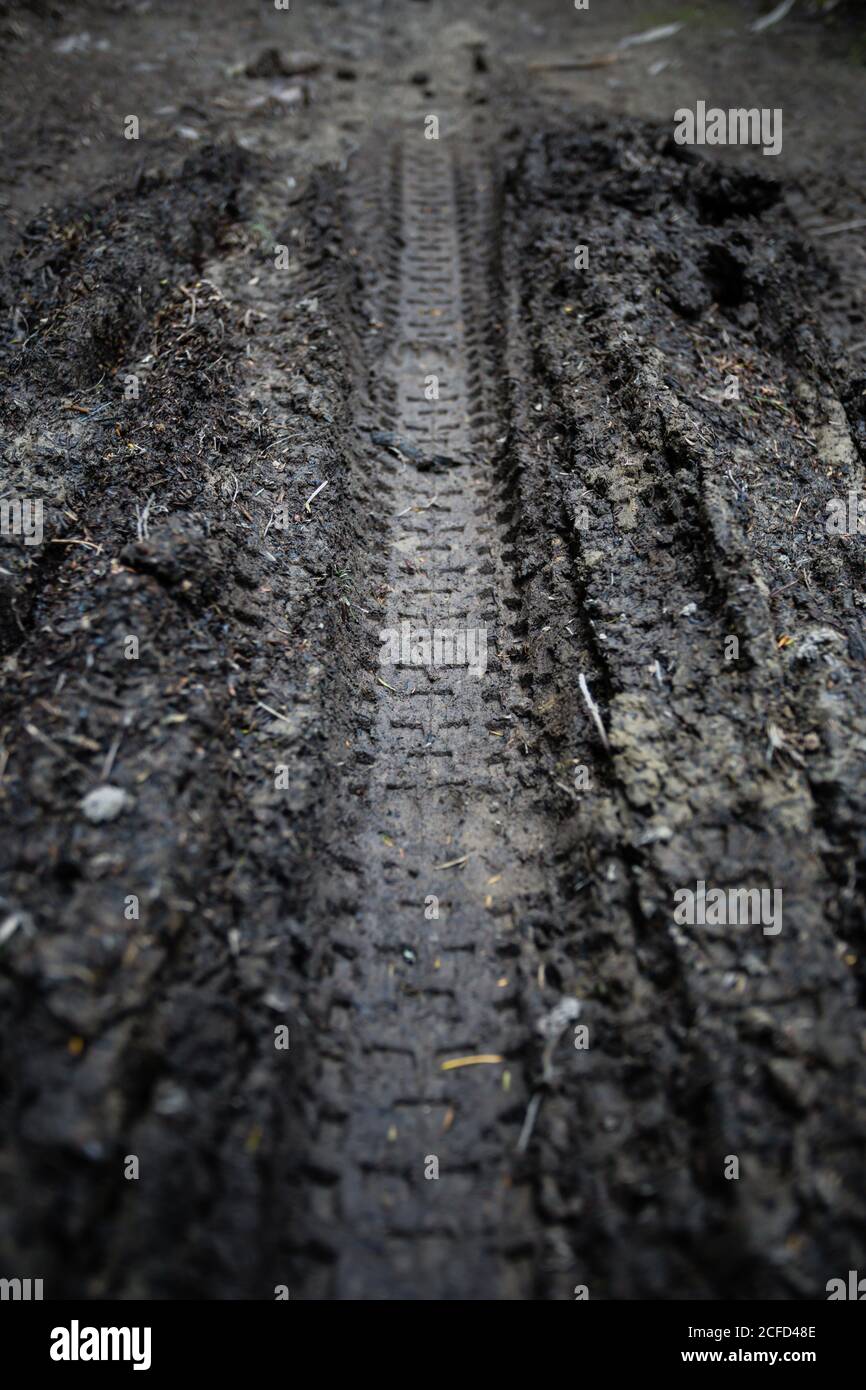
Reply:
x=451, y=846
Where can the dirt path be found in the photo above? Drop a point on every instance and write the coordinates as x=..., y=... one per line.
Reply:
x=510, y=1071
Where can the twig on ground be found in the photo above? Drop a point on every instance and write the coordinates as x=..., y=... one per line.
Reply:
x=529, y=1123
x=274, y=712
x=594, y=710
x=772, y=18
x=452, y=863
x=600, y=60
x=315, y=494
x=853, y=226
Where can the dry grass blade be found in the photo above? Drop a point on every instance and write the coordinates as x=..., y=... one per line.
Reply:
x=479, y=1059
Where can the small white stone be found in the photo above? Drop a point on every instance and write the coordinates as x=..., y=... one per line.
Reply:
x=105, y=803
x=554, y=1023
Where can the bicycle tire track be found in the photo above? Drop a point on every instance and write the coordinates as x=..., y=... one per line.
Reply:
x=450, y=824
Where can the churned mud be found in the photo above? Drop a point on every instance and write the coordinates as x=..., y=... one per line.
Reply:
x=326, y=965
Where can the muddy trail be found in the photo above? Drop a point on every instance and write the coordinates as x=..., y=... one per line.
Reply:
x=435, y=586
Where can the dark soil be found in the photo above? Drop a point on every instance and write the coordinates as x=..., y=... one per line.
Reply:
x=635, y=460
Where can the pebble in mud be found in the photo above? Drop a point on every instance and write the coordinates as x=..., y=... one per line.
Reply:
x=105, y=804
